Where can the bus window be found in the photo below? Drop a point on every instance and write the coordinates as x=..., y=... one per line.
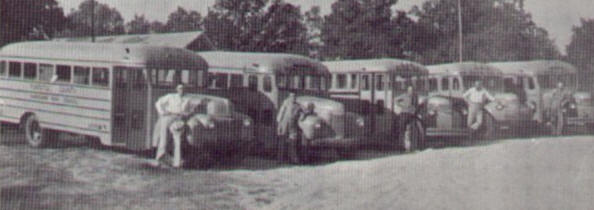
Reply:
x=120, y=78
x=341, y=81
x=167, y=78
x=100, y=77
x=281, y=81
x=531, y=84
x=432, y=84
x=81, y=75
x=220, y=81
x=267, y=83
x=365, y=82
x=379, y=82
x=353, y=81
x=30, y=71
x=253, y=83
x=314, y=82
x=456, y=84
x=299, y=82
x=63, y=73
x=2, y=68
x=14, y=69
x=46, y=71
x=325, y=83
x=420, y=84
x=236, y=81
x=189, y=78
x=445, y=83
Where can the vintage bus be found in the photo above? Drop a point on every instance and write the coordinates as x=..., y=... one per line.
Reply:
x=371, y=87
x=506, y=113
x=108, y=92
x=258, y=83
x=539, y=78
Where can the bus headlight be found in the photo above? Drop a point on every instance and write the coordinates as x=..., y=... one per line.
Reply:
x=360, y=122
x=210, y=125
x=572, y=106
x=499, y=106
x=464, y=112
x=432, y=112
x=318, y=125
x=247, y=122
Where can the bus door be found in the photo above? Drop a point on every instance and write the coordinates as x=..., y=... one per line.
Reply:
x=533, y=95
x=130, y=108
x=368, y=96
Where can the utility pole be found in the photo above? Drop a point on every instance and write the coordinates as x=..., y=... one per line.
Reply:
x=459, y=31
x=92, y=20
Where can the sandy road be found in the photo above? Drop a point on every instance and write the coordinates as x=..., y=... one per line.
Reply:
x=512, y=174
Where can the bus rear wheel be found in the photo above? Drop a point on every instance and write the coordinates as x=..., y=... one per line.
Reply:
x=414, y=137
x=36, y=136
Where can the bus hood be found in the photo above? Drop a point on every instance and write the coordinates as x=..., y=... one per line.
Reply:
x=322, y=105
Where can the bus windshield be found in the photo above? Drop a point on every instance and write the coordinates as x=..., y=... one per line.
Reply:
x=302, y=78
x=399, y=83
x=549, y=81
x=491, y=83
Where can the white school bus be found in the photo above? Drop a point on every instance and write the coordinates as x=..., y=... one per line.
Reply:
x=108, y=92
x=371, y=87
x=258, y=83
x=506, y=113
x=539, y=78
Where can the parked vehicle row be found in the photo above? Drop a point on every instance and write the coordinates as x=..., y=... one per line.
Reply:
x=107, y=92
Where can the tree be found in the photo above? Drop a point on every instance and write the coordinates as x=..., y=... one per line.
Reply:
x=581, y=49
x=107, y=21
x=364, y=29
x=182, y=20
x=314, y=23
x=157, y=27
x=29, y=19
x=139, y=25
x=247, y=25
x=493, y=30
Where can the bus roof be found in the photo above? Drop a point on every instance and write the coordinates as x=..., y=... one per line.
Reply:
x=376, y=66
x=260, y=62
x=465, y=68
x=535, y=67
x=135, y=54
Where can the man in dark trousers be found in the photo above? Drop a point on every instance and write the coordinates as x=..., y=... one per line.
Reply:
x=408, y=104
x=288, y=129
x=559, y=97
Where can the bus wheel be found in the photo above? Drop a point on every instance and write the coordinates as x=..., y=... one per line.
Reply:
x=35, y=135
x=414, y=137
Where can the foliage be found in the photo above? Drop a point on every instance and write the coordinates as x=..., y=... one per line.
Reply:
x=314, y=23
x=182, y=20
x=247, y=25
x=364, y=29
x=139, y=25
x=108, y=21
x=581, y=50
x=29, y=19
x=493, y=30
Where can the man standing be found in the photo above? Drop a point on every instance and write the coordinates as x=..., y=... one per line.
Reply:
x=476, y=97
x=288, y=128
x=559, y=97
x=408, y=104
x=172, y=109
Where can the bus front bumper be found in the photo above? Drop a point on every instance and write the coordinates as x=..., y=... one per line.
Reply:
x=447, y=132
x=333, y=142
x=580, y=121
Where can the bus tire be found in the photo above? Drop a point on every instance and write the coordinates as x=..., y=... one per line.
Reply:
x=414, y=137
x=35, y=135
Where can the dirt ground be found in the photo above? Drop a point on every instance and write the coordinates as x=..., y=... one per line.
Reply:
x=536, y=173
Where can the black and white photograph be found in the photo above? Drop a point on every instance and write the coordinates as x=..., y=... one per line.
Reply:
x=297, y=104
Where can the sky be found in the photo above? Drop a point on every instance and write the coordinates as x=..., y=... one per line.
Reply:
x=556, y=16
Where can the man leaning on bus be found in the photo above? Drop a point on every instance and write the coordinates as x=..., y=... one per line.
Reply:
x=172, y=109
x=476, y=97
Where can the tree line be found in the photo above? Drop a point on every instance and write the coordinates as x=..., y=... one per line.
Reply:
x=493, y=30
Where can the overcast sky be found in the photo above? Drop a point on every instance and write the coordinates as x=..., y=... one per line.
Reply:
x=557, y=16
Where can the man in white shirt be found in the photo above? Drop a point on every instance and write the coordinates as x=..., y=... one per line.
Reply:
x=172, y=108
x=476, y=97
